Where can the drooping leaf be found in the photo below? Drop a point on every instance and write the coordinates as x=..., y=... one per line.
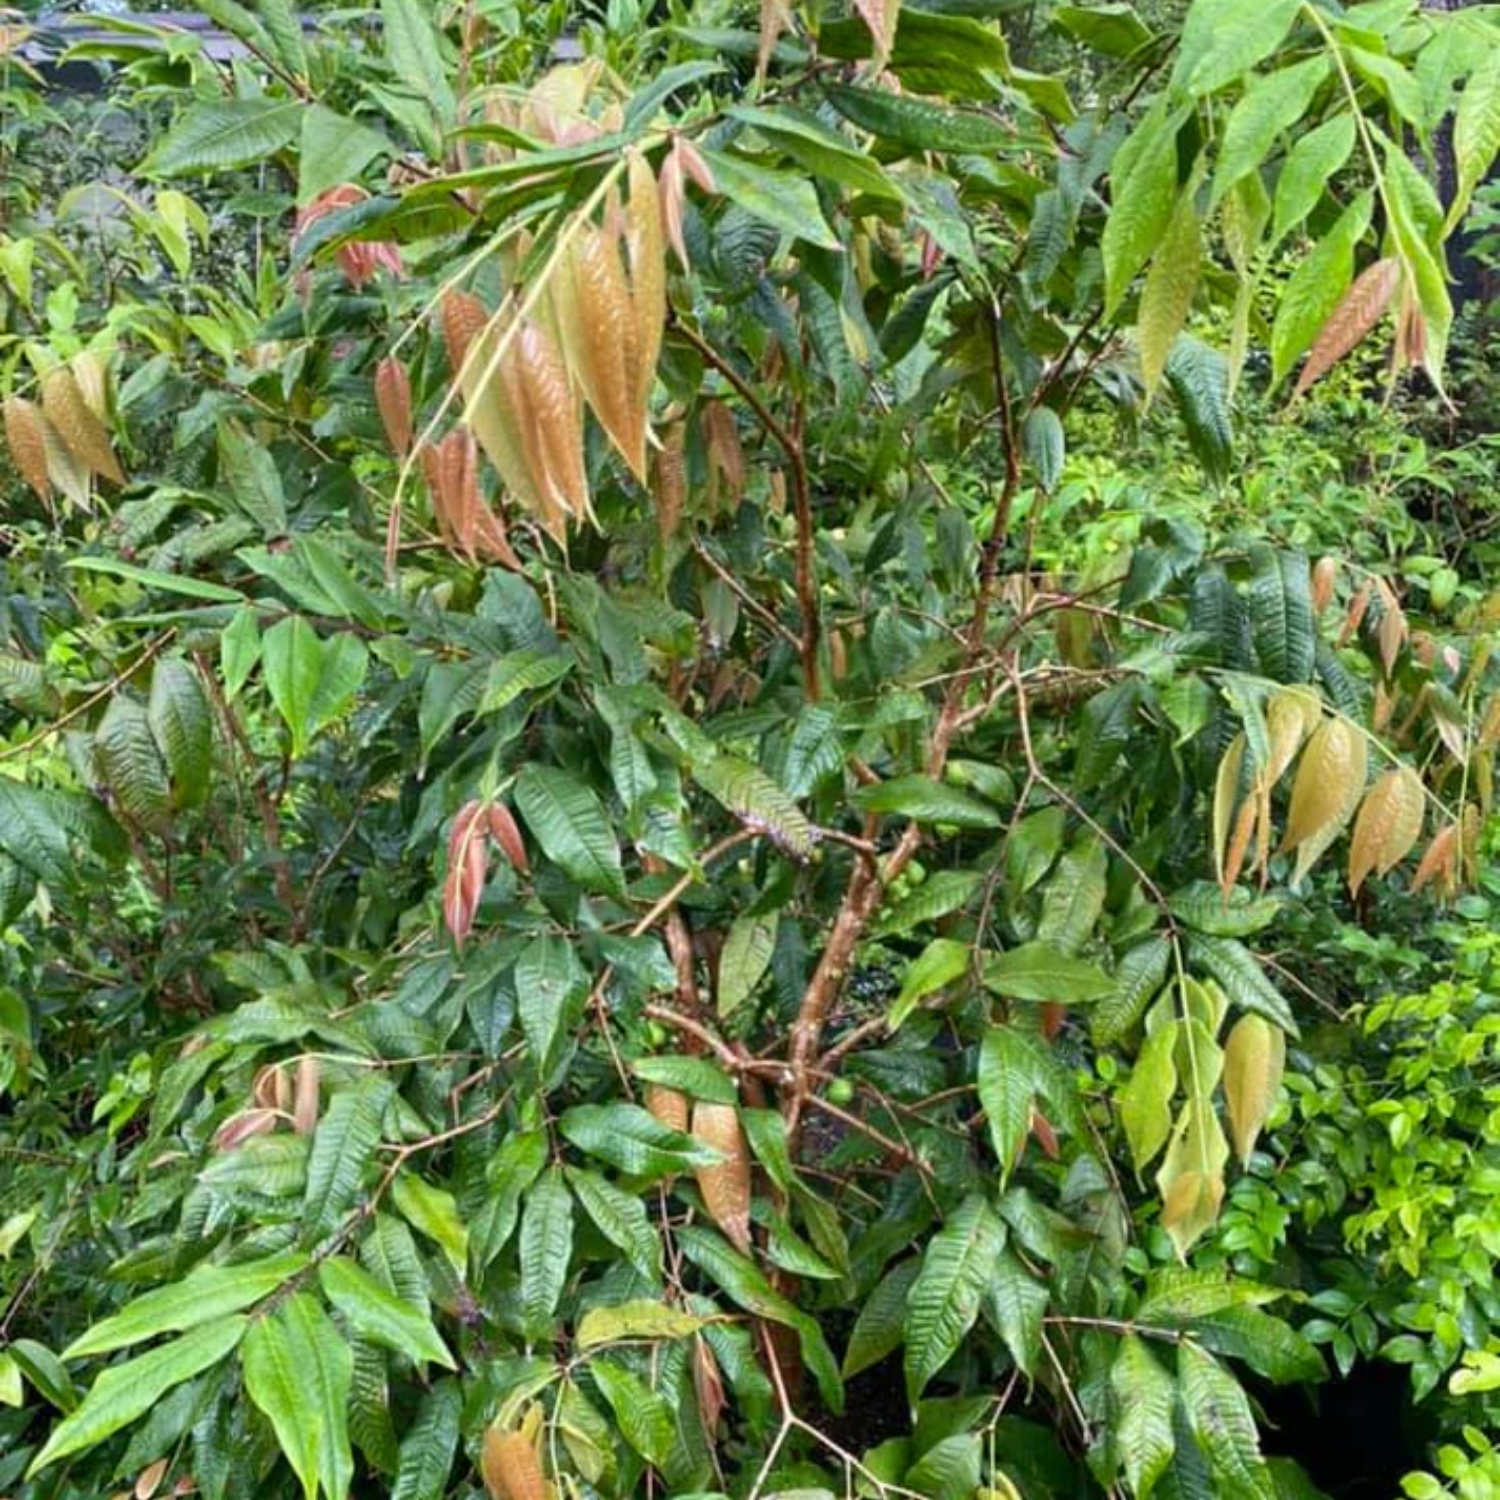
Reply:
x=376, y=1314
x=179, y=718
x=546, y=1250
x=298, y=1371
x=1222, y=1423
x=570, y=823
x=945, y=1298
x=1171, y=283
x=745, y=958
x=207, y=1294
x=343, y=1147
x=1146, y=1099
x=1221, y=39
x=1145, y=1394
x=126, y=1392
x=1015, y=1302
x=881, y=1323
x=430, y=1445
x=1254, y=1057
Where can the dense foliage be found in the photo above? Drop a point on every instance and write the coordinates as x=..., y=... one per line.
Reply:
x=747, y=764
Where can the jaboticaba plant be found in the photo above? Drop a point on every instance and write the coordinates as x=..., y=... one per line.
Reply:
x=588, y=913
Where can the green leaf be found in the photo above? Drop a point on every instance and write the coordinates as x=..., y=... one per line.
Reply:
x=745, y=1285
x=546, y=1250
x=1178, y=1296
x=634, y=1321
x=1244, y=980
x=1272, y=1348
x=1015, y=1302
x=752, y=796
x=819, y=151
x=179, y=718
x=951, y=1469
x=513, y=1168
x=945, y=1297
x=12, y=1393
x=1008, y=1086
x=551, y=987
x=1199, y=380
x=1141, y=973
x=926, y=801
x=1310, y=165
x=1074, y=898
x=743, y=961
x=939, y=964
x=1171, y=284
x=1279, y=595
x=570, y=823
x=1045, y=446
x=1476, y=132
x=343, y=1147
x=1041, y=972
x=414, y=51
x=222, y=134
x=125, y=1392
x=1146, y=1099
x=1113, y=29
x=239, y=650
x=249, y=470
x=1222, y=1423
x=784, y=200
x=131, y=763
x=942, y=893
x=627, y=1137
x=1270, y=105
x=621, y=1218
x=285, y=32
x=170, y=583
x=645, y=1419
x=1145, y=1395
x=1204, y=908
x=298, y=1371
x=207, y=1294
x=689, y=1075
x=917, y=124
x=376, y=1314
x=881, y=1323
x=430, y=1445
x=1316, y=288
x=432, y=1211
x=765, y=1129
x=1143, y=190
x=312, y=682
x=334, y=150
x=45, y=1372
x=1221, y=39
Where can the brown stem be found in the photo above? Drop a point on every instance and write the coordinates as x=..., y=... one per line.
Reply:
x=866, y=880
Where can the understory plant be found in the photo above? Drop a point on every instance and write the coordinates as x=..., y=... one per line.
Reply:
x=597, y=901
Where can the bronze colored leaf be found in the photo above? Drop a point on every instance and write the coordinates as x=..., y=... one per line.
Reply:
x=26, y=437
x=775, y=17
x=1391, y=632
x=1324, y=575
x=708, y=1384
x=1191, y=1179
x=1330, y=782
x=670, y=1106
x=85, y=435
x=148, y=1481
x=464, y=317
x=1254, y=1058
x=556, y=421
x=93, y=382
x=244, y=1126
x=393, y=402
x=1245, y=823
x=671, y=192
x=1388, y=825
x=305, y=1108
x=506, y=833
x=1440, y=862
x=725, y=1186
x=648, y=279
x=1226, y=794
x=1291, y=715
x=881, y=16
x=1362, y=308
x=271, y=1089
x=468, y=868
x=726, y=458
x=511, y=1468
x=671, y=478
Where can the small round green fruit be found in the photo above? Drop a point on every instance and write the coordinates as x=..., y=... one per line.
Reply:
x=841, y=1092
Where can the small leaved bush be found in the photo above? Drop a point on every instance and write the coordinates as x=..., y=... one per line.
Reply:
x=600, y=897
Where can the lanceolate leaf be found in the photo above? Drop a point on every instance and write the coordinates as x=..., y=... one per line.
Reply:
x=1015, y=1302
x=1199, y=380
x=1363, y=307
x=1316, y=288
x=132, y=764
x=430, y=1445
x=1253, y=1059
x=1243, y=978
x=745, y=959
x=1269, y=106
x=546, y=1249
x=569, y=821
x=1167, y=297
x=214, y=136
x=125, y=1392
x=209, y=1293
x=1476, y=131
x=343, y=1148
x=378, y=1315
x=1221, y=1422
x=298, y=1372
x=945, y=1298
x=1281, y=616
x=881, y=1322
x=1145, y=1396
x=1143, y=195
x=178, y=712
x=1221, y=39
